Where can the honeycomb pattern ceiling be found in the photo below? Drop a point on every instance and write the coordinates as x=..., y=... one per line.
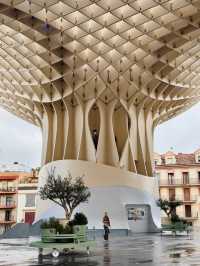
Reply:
x=146, y=50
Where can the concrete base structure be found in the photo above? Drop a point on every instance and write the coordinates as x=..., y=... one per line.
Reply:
x=116, y=191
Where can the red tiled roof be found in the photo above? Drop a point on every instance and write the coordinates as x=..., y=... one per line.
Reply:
x=182, y=158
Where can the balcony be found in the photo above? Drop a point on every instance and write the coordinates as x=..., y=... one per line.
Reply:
x=187, y=200
x=7, y=222
x=8, y=190
x=192, y=218
x=8, y=206
x=179, y=182
x=29, y=180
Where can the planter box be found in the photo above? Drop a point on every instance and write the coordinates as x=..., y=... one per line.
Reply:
x=45, y=233
x=81, y=230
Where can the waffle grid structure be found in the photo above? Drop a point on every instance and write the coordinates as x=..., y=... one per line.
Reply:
x=99, y=75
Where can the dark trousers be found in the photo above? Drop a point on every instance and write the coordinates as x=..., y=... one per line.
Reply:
x=106, y=232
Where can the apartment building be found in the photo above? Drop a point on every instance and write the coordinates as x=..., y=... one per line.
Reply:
x=8, y=197
x=179, y=179
x=26, y=208
x=14, y=181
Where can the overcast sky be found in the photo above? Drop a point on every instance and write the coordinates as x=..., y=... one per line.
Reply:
x=22, y=142
x=181, y=133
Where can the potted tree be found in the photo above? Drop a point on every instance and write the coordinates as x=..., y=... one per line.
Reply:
x=67, y=192
x=48, y=228
x=79, y=223
x=169, y=207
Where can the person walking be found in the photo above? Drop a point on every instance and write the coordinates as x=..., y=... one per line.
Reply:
x=106, y=225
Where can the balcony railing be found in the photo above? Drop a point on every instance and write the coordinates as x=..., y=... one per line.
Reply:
x=10, y=220
x=8, y=190
x=7, y=221
x=8, y=206
x=28, y=180
x=186, y=199
x=191, y=217
x=180, y=181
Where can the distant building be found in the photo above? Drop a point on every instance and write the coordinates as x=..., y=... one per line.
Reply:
x=15, y=167
x=179, y=179
x=17, y=195
x=26, y=208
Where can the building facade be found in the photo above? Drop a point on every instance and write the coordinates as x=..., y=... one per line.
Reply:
x=179, y=179
x=8, y=200
x=26, y=207
x=15, y=204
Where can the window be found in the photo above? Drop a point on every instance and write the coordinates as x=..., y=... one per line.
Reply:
x=188, y=211
x=30, y=200
x=185, y=178
x=8, y=215
x=171, y=178
x=157, y=175
x=186, y=194
x=9, y=201
x=170, y=160
x=198, y=177
x=197, y=157
x=172, y=194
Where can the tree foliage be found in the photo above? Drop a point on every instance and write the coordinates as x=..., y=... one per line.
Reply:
x=67, y=192
x=169, y=207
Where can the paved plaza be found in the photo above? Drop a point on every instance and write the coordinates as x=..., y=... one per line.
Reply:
x=149, y=250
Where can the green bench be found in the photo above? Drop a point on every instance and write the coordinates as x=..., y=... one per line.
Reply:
x=76, y=238
x=59, y=242
x=175, y=228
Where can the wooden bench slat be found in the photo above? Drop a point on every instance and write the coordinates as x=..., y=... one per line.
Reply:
x=66, y=236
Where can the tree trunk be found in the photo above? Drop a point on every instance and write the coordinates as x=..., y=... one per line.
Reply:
x=67, y=215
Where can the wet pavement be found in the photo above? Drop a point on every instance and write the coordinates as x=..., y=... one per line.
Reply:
x=147, y=250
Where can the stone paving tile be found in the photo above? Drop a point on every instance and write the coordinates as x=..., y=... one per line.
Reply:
x=142, y=250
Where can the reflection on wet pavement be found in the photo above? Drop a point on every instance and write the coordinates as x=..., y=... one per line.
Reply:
x=147, y=250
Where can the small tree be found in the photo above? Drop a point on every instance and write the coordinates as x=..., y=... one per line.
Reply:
x=67, y=192
x=169, y=207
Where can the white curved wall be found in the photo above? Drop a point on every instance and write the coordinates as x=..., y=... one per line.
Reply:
x=112, y=190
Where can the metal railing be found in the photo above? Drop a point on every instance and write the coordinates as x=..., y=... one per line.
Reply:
x=28, y=180
x=179, y=181
x=7, y=205
x=11, y=219
x=186, y=199
x=8, y=189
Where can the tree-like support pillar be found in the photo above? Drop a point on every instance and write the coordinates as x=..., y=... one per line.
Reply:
x=124, y=133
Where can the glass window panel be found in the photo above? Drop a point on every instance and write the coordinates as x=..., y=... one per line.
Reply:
x=30, y=200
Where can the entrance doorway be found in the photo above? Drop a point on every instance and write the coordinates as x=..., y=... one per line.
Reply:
x=29, y=217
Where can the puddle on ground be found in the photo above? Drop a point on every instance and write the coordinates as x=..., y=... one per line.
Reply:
x=149, y=249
